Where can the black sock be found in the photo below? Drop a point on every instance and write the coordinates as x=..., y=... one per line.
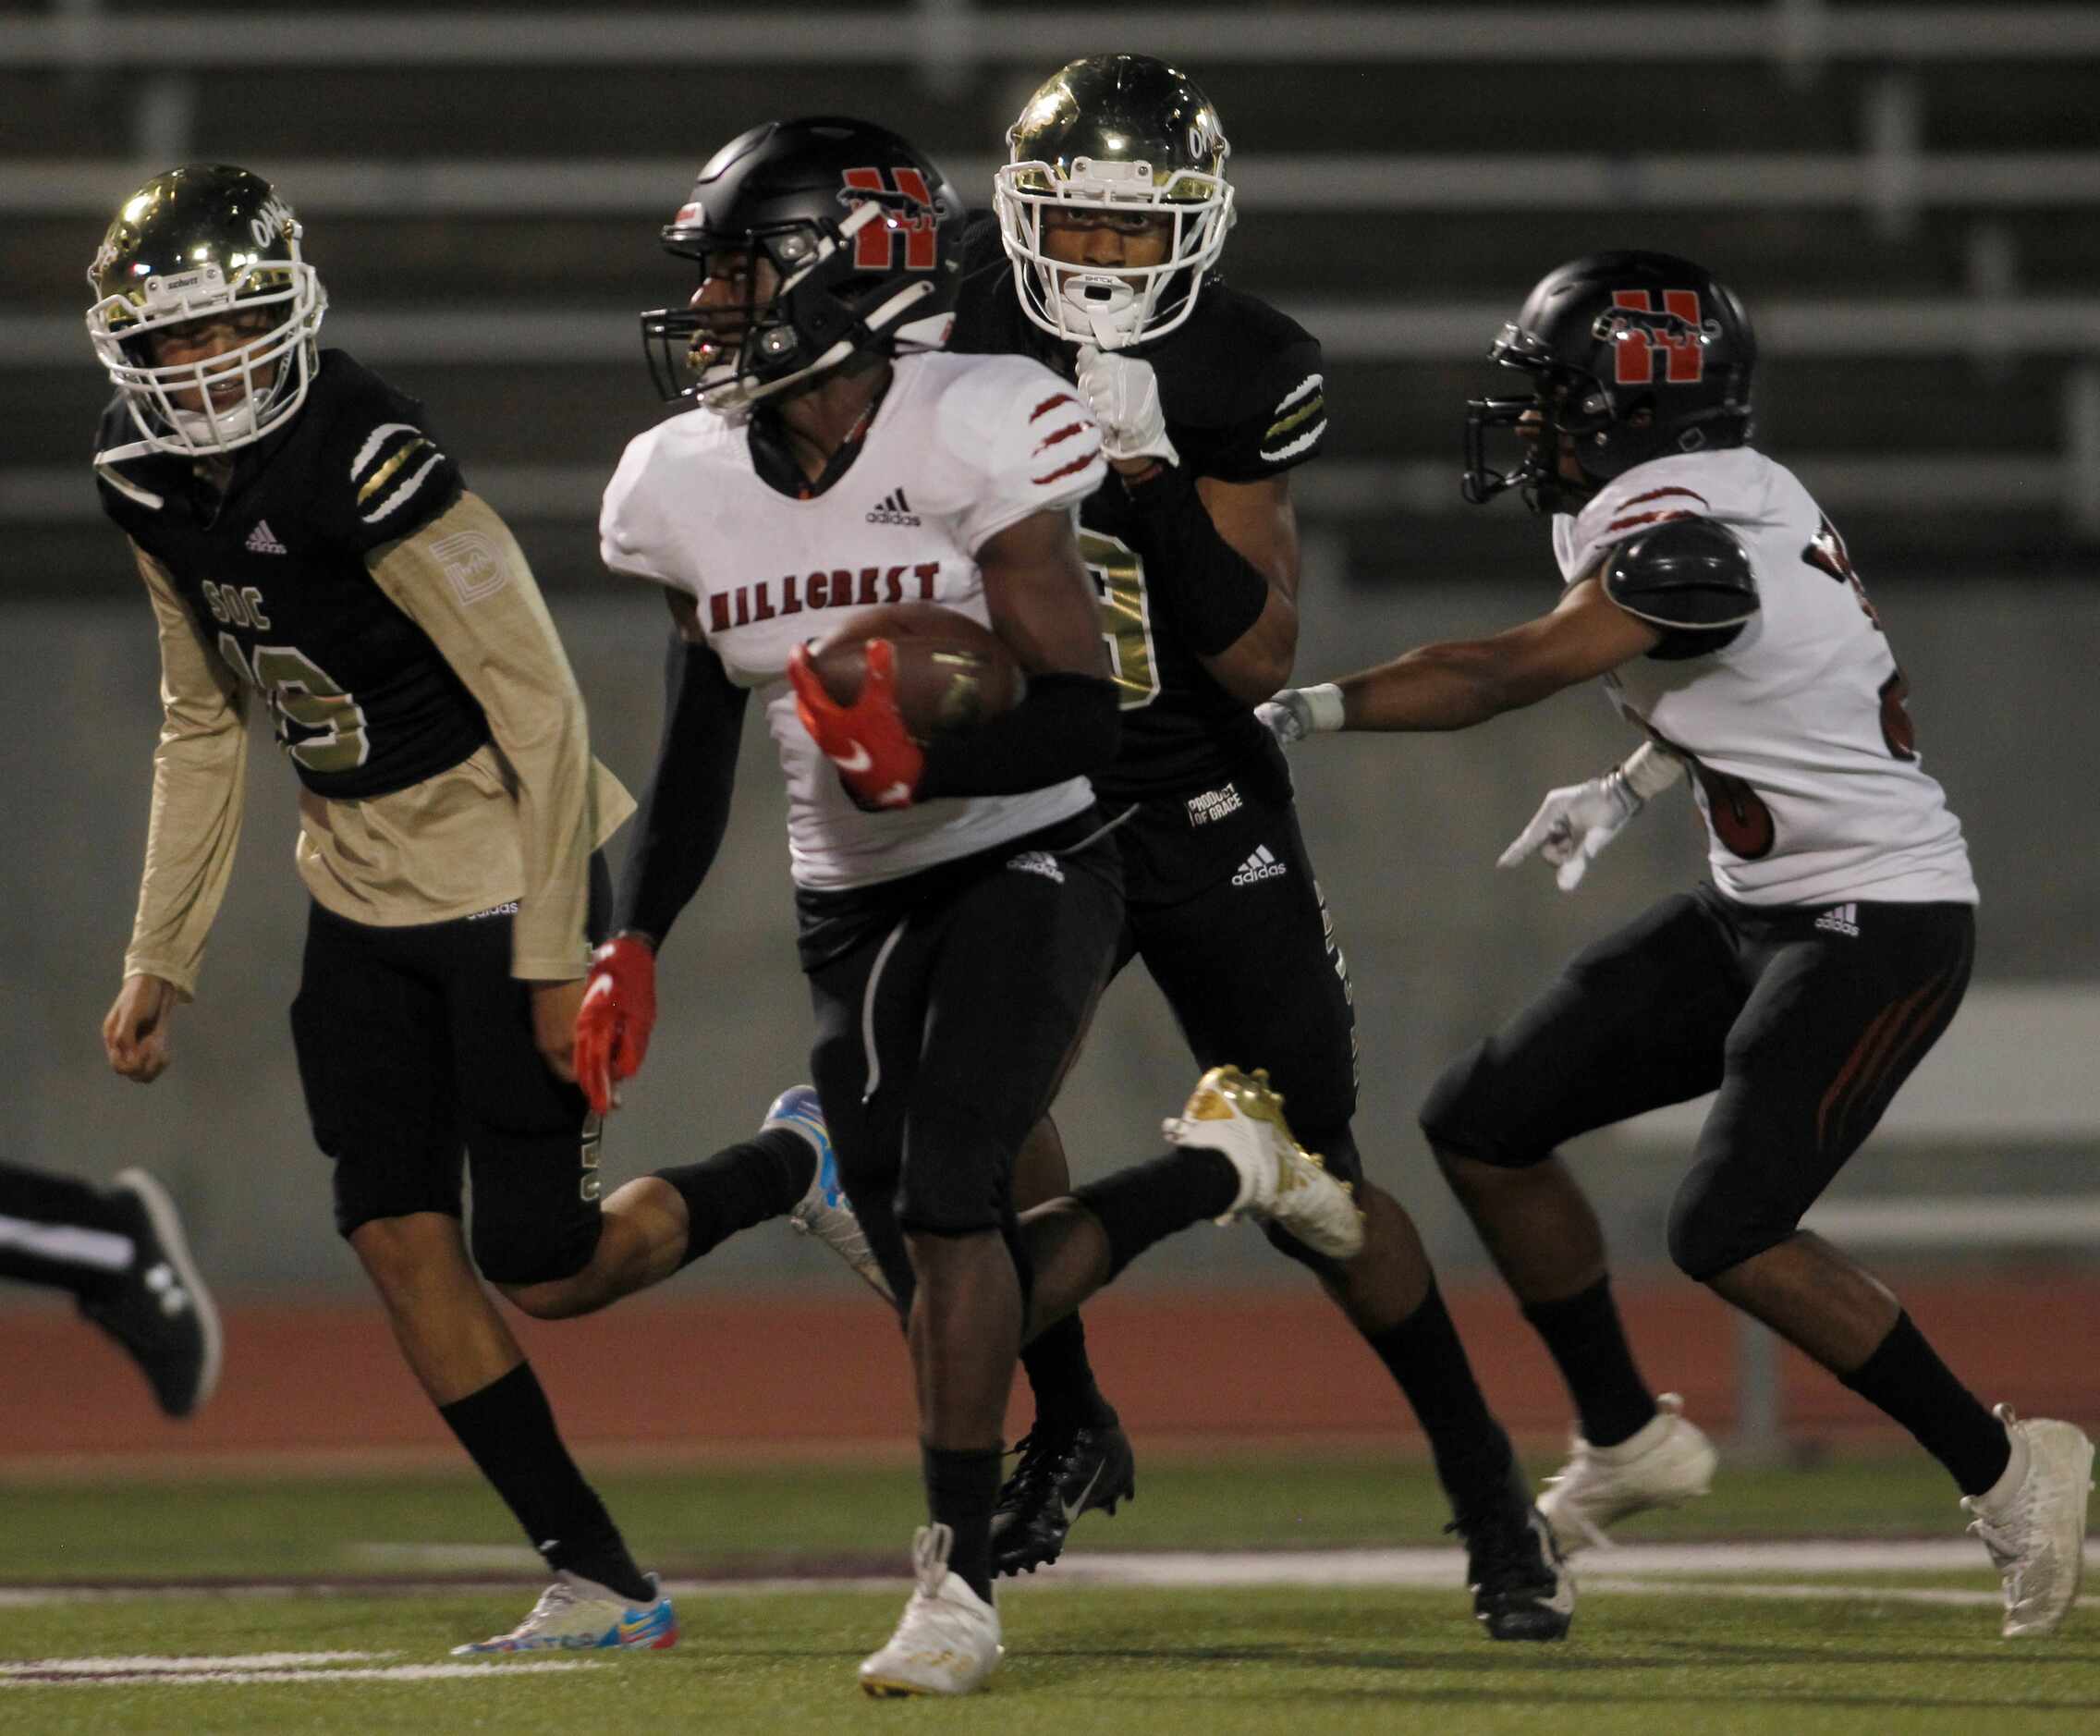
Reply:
x=1062, y=1378
x=508, y=1431
x=1906, y=1378
x=962, y=1488
x=88, y=1266
x=1587, y=1342
x=1150, y=1200
x=741, y=1186
x=1472, y=1454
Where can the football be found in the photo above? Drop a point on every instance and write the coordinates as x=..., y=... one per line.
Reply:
x=951, y=673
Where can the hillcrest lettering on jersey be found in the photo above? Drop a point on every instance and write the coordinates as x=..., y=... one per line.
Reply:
x=842, y=588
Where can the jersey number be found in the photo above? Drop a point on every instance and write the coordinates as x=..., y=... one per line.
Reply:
x=1825, y=552
x=319, y=724
x=1125, y=617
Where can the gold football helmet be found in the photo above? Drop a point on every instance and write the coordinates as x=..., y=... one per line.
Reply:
x=202, y=242
x=1125, y=136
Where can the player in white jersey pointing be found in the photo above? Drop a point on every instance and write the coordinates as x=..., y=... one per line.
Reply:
x=1719, y=605
x=959, y=901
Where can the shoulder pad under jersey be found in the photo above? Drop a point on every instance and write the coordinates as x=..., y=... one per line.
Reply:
x=1687, y=573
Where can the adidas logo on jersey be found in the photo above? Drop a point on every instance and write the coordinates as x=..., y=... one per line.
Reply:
x=262, y=539
x=893, y=509
x=1038, y=862
x=1261, y=865
x=1840, y=919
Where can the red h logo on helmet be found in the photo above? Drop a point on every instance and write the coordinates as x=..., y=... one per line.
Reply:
x=909, y=210
x=1638, y=329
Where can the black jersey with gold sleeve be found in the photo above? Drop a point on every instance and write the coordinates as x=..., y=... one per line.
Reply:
x=275, y=571
x=1241, y=384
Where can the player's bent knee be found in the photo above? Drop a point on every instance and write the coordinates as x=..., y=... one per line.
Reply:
x=399, y=1246
x=1461, y=1116
x=1712, y=1227
x=517, y=1258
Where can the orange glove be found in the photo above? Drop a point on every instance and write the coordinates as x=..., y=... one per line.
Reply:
x=878, y=759
x=618, y=1015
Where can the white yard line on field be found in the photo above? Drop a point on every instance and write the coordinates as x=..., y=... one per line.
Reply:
x=1753, y=1570
x=191, y=1675
x=141, y=1662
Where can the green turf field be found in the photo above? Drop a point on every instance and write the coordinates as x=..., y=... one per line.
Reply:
x=1823, y=1651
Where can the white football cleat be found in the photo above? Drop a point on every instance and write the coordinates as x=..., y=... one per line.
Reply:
x=824, y=1211
x=576, y=1614
x=2032, y=1521
x=948, y=1640
x=1280, y=1181
x=1665, y=1461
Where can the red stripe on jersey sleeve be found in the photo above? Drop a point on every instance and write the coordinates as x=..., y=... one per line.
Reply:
x=1073, y=468
x=1661, y=494
x=1050, y=404
x=1065, y=433
x=1648, y=518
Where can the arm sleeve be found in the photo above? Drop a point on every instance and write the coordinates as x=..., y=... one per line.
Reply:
x=686, y=808
x=465, y=581
x=199, y=783
x=1215, y=592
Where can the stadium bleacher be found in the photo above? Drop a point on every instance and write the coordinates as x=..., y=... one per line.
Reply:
x=1904, y=195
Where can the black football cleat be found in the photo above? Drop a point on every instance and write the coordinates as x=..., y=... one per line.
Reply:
x=1521, y=1587
x=1063, y=1472
x=161, y=1313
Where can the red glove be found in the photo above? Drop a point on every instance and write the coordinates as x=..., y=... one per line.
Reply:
x=618, y=1015
x=878, y=759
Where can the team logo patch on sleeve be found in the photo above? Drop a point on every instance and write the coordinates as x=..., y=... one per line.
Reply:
x=472, y=563
x=1300, y=419
x=395, y=461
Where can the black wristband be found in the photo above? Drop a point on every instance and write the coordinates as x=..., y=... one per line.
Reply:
x=1064, y=726
x=1212, y=591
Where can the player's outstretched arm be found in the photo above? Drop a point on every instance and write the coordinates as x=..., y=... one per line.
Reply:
x=1461, y=682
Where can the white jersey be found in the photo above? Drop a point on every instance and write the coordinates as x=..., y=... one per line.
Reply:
x=961, y=448
x=1801, y=751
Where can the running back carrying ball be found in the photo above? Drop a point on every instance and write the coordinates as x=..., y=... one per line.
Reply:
x=951, y=674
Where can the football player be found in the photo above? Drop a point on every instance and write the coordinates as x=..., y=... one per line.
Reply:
x=1718, y=604
x=309, y=546
x=121, y=1254
x=1110, y=218
x=959, y=900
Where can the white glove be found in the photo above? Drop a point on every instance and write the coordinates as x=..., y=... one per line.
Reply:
x=1573, y=825
x=1299, y=712
x=1123, y=393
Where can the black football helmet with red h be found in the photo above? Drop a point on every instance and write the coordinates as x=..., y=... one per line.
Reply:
x=863, y=234
x=1632, y=356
